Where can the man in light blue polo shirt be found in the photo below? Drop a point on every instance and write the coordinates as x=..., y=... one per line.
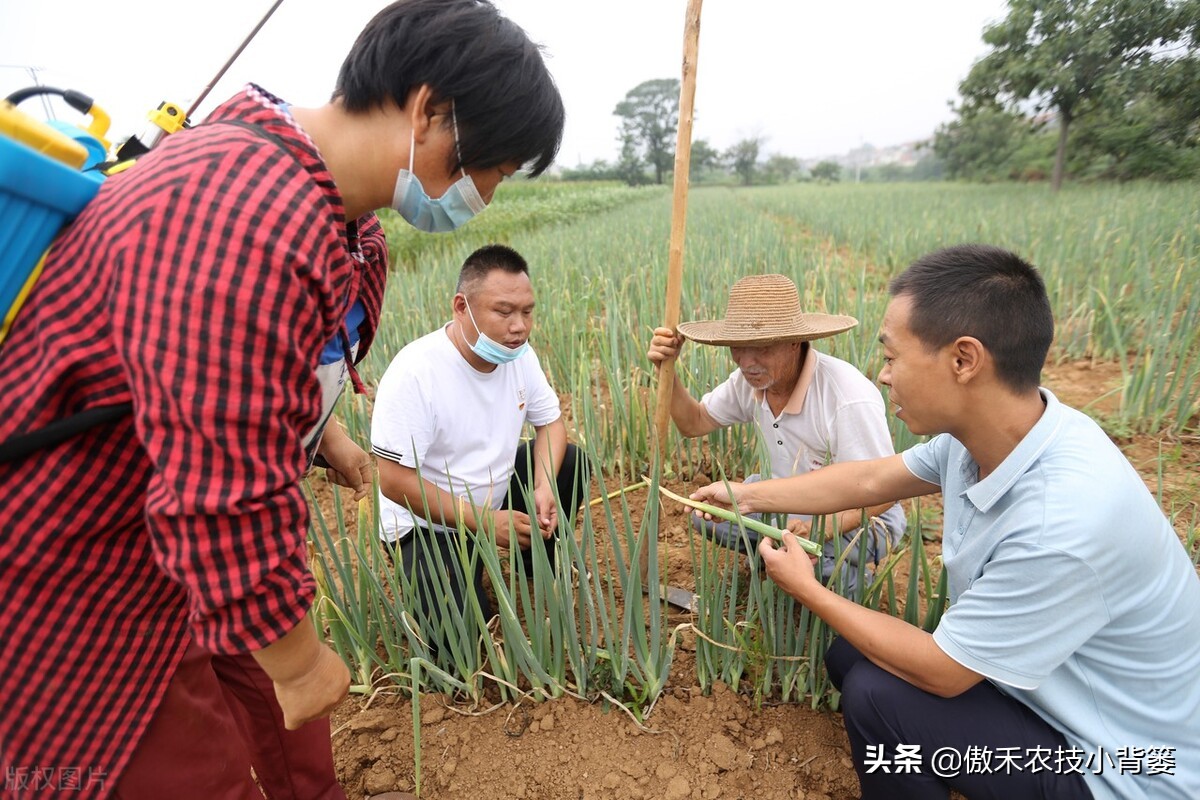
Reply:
x=1068, y=662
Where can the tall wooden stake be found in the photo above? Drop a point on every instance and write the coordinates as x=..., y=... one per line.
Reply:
x=683, y=160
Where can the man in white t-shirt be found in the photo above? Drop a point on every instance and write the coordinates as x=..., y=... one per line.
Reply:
x=811, y=409
x=446, y=432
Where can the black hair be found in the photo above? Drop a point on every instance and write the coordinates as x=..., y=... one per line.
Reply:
x=505, y=100
x=484, y=260
x=985, y=292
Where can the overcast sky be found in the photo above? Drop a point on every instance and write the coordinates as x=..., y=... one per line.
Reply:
x=811, y=77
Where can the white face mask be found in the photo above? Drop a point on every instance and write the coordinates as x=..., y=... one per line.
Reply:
x=489, y=349
x=459, y=204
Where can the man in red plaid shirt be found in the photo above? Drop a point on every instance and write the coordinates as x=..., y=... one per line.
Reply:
x=154, y=590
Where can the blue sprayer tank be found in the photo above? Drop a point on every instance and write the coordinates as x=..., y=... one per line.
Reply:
x=46, y=178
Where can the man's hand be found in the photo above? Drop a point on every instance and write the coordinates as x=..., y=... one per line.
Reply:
x=800, y=527
x=511, y=527
x=716, y=494
x=314, y=693
x=664, y=345
x=788, y=564
x=545, y=509
x=349, y=464
x=310, y=680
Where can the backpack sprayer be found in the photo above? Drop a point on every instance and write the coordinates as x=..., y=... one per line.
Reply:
x=50, y=170
x=47, y=176
x=48, y=173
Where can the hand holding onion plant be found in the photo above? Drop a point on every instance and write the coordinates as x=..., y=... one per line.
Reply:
x=734, y=514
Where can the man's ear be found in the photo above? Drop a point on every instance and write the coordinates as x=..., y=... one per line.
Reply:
x=421, y=107
x=969, y=356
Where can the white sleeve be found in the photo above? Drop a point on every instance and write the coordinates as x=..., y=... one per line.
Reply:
x=731, y=402
x=402, y=421
x=860, y=432
x=542, y=407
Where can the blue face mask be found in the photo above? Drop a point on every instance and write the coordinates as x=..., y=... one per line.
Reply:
x=460, y=202
x=492, y=351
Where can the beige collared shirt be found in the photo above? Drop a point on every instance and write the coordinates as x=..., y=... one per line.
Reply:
x=834, y=414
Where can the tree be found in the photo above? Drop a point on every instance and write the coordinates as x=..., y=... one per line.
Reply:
x=649, y=121
x=1176, y=86
x=1150, y=125
x=780, y=168
x=1066, y=55
x=630, y=167
x=1155, y=131
x=598, y=170
x=743, y=158
x=827, y=171
x=704, y=158
x=981, y=143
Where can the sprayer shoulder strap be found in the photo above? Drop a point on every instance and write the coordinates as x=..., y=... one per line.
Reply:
x=23, y=445
x=57, y=432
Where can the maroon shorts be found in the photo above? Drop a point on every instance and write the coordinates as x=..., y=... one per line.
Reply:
x=219, y=719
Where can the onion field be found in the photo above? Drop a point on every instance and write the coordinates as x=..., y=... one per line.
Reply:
x=1122, y=266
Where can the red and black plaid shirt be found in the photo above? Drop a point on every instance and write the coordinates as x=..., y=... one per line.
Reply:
x=201, y=286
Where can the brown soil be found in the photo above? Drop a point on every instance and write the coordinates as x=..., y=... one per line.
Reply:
x=692, y=746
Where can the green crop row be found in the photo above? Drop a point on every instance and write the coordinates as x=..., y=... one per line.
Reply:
x=1121, y=265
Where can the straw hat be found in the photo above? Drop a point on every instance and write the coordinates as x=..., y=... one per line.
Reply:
x=764, y=309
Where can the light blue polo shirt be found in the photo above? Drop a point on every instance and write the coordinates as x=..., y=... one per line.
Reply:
x=1071, y=592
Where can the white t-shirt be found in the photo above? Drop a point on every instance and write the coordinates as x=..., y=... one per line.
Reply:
x=835, y=414
x=458, y=427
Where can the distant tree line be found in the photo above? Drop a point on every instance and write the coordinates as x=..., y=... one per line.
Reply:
x=744, y=164
x=649, y=117
x=1104, y=89
x=1092, y=89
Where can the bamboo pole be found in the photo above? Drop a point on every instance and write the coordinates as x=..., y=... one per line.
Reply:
x=683, y=160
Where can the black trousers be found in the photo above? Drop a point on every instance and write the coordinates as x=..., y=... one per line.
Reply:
x=882, y=712
x=432, y=557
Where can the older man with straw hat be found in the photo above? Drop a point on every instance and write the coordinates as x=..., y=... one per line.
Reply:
x=811, y=409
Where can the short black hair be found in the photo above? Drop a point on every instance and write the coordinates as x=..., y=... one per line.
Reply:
x=506, y=103
x=484, y=260
x=986, y=292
